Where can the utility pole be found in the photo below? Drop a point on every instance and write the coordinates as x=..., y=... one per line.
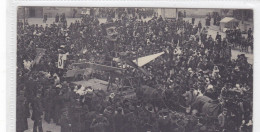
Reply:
x=23, y=16
x=176, y=14
x=242, y=14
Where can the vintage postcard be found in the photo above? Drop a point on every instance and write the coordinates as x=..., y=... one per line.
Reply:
x=134, y=69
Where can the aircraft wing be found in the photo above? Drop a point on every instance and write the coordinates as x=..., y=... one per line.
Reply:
x=72, y=73
x=96, y=66
x=146, y=59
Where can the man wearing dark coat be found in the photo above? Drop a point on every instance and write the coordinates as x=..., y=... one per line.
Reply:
x=65, y=120
x=249, y=33
x=99, y=123
x=37, y=114
x=200, y=26
x=218, y=37
x=119, y=120
x=45, y=18
x=21, y=117
x=192, y=20
x=57, y=18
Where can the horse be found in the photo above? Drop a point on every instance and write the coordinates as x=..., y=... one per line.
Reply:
x=202, y=104
x=150, y=95
x=173, y=99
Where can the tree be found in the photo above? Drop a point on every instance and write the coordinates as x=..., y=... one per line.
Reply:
x=225, y=11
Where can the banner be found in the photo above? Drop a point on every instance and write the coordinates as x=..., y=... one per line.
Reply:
x=61, y=59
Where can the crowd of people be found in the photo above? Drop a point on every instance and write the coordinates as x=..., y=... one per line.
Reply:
x=216, y=19
x=193, y=61
x=239, y=40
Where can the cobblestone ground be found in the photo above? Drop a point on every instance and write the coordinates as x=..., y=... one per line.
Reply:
x=212, y=30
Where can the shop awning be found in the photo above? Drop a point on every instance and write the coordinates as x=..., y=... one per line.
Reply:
x=229, y=19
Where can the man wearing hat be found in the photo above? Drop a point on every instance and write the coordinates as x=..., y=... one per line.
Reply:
x=65, y=120
x=193, y=20
x=44, y=18
x=119, y=120
x=48, y=104
x=164, y=121
x=57, y=18
x=222, y=119
x=108, y=113
x=37, y=113
x=200, y=26
x=99, y=124
x=21, y=118
x=218, y=38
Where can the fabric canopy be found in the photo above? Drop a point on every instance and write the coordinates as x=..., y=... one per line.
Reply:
x=228, y=19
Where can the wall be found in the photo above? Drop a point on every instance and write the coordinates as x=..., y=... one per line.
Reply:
x=198, y=12
x=166, y=12
x=170, y=13
x=20, y=13
x=52, y=11
x=39, y=12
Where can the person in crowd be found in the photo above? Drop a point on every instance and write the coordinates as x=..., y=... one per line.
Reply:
x=249, y=33
x=37, y=113
x=65, y=120
x=21, y=118
x=45, y=17
x=200, y=26
x=74, y=13
x=222, y=119
x=100, y=123
x=193, y=20
x=218, y=37
x=57, y=18
x=234, y=37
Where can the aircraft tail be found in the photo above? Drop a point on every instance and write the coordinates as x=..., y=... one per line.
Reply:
x=131, y=63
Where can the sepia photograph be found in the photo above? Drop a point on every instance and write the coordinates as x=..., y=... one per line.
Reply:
x=133, y=69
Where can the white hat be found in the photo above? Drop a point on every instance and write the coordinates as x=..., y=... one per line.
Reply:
x=210, y=86
x=59, y=86
x=112, y=95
